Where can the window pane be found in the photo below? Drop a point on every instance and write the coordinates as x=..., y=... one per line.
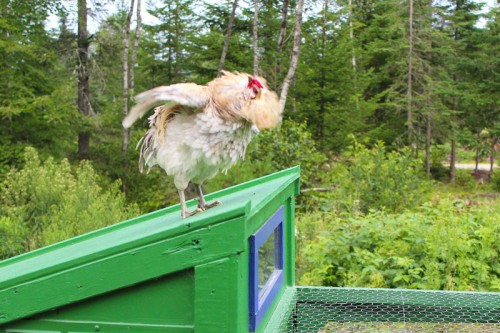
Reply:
x=266, y=261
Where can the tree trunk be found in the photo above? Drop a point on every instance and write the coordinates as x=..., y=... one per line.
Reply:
x=228, y=38
x=295, y=54
x=428, y=143
x=125, y=77
x=83, y=78
x=129, y=88
x=492, y=157
x=255, y=38
x=353, y=54
x=453, y=159
x=409, y=119
x=476, y=168
x=322, y=76
x=133, y=60
x=281, y=38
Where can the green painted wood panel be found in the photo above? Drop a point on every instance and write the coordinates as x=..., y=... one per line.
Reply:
x=123, y=269
x=154, y=273
x=167, y=300
x=220, y=296
x=164, y=304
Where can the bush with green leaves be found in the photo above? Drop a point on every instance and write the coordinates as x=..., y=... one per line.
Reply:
x=446, y=245
x=292, y=144
x=465, y=179
x=375, y=178
x=495, y=181
x=46, y=202
x=438, y=170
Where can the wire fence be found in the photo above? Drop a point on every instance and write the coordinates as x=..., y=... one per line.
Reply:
x=344, y=310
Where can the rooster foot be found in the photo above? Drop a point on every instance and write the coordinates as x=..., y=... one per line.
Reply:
x=204, y=206
x=186, y=213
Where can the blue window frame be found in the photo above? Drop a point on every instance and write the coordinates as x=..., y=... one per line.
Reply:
x=266, y=267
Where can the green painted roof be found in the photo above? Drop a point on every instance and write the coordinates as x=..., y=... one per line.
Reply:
x=242, y=201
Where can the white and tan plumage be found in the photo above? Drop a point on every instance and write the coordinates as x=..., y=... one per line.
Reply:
x=199, y=131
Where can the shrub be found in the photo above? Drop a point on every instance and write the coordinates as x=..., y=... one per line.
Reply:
x=495, y=181
x=448, y=245
x=48, y=202
x=292, y=144
x=375, y=178
x=438, y=170
x=465, y=179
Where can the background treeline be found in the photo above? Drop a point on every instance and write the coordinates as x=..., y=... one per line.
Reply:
x=385, y=91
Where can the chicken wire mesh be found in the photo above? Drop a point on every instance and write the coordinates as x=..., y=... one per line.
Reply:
x=344, y=310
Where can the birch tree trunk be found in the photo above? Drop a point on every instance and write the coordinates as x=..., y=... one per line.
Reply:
x=255, y=37
x=125, y=76
x=429, y=94
x=351, y=37
x=228, y=38
x=129, y=89
x=281, y=38
x=83, y=103
x=353, y=54
x=133, y=60
x=322, y=75
x=295, y=54
x=409, y=119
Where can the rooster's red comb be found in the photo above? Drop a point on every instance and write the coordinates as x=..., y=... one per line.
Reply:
x=254, y=82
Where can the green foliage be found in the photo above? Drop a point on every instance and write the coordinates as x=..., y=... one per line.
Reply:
x=46, y=202
x=438, y=170
x=37, y=103
x=465, y=179
x=445, y=245
x=376, y=178
x=326, y=99
x=351, y=80
x=290, y=145
x=12, y=236
x=495, y=181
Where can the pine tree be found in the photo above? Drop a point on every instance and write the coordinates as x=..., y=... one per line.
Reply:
x=35, y=104
x=459, y=20
x=173, y=39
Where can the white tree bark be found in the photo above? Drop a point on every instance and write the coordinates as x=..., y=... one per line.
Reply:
x=133, y=60
x=295, y=54
x=83, y=103
x=281, y=37
x=353, y=55
x=125, y=76
x=255, y=37
x=228, y=38
x=409, y=119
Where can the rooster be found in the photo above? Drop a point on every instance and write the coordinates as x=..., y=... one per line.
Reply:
x=199, y=131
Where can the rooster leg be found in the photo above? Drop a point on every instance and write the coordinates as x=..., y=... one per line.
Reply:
x=202, y=204
x=185, y=212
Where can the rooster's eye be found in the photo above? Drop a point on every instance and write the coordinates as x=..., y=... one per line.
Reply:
x=255, y=91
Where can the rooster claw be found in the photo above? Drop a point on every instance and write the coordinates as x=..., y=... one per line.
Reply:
x=187, y=213
x=206, y=206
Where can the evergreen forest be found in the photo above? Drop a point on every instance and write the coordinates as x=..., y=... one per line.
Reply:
x=385, y=101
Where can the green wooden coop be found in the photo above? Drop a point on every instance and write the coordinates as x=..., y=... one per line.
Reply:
x=229, y=269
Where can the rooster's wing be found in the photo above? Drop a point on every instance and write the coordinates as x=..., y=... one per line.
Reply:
x=187, y=94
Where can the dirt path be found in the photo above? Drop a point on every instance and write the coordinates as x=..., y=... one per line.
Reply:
x=472, y=166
